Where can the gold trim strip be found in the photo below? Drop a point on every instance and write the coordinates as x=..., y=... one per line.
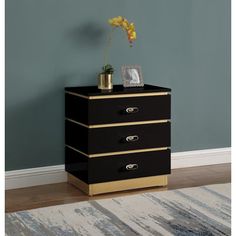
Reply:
x=77, y=94
x=118, y=185
x=118, y=153
x=119, y=124
x=129, y=95
x=78, y=123
x=119, y=95
x=76, y=150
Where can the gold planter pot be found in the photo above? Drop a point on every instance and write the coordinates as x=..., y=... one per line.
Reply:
x=105, y=81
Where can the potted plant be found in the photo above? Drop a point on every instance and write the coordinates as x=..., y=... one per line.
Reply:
x=105, y=77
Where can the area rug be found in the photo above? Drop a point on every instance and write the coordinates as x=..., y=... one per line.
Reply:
x=199, y=211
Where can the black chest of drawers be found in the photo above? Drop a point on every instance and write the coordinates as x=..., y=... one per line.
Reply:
x=117, y=140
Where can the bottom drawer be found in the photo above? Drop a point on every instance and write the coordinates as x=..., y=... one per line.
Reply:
x=118, y=167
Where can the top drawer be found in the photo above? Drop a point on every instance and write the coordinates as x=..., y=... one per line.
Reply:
x=117, y=110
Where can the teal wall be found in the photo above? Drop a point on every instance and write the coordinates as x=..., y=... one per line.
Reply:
x=182, y=44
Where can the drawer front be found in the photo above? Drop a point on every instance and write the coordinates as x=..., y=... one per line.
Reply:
x=118, y=110
x=129, y=109
x=129, y=166
x=116, y=139
x=120, y=167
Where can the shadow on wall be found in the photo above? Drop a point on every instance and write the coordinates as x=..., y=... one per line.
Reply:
x=35, y=131
x=35, y=128
x=81, y=78
x=89, y=35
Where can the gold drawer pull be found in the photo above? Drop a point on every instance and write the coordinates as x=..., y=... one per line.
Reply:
x=132, y=138
x=131, y=167
x=131, y=110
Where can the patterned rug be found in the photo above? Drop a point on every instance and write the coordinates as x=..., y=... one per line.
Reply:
x=199, y=211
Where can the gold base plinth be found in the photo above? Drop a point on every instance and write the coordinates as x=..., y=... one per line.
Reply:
x=120, y=185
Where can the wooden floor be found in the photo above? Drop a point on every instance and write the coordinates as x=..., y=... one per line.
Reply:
x=62, y=193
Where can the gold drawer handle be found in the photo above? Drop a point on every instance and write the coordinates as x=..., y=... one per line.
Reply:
x=131, y=167
x=131, y=110
x=132, y=138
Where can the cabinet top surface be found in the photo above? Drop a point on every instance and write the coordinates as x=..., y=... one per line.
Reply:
x=117, y=89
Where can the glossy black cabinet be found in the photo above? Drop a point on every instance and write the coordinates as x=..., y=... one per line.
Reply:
x=117, y=140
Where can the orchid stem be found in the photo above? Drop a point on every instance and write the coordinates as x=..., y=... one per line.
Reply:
x=107, y=48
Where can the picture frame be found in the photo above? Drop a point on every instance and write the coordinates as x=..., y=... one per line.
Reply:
x=132, y=76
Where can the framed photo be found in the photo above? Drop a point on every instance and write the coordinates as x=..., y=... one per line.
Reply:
x=132, y=76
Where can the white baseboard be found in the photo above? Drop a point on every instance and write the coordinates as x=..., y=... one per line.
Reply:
x=200, y=158
x=35, y=176
x=56, y=174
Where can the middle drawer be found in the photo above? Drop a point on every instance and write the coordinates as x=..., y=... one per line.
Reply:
x=116, y=139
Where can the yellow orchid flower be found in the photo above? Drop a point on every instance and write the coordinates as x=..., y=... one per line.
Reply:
x=122, y=22
x=125, y=24
x=129, y=28
x=116, y=21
